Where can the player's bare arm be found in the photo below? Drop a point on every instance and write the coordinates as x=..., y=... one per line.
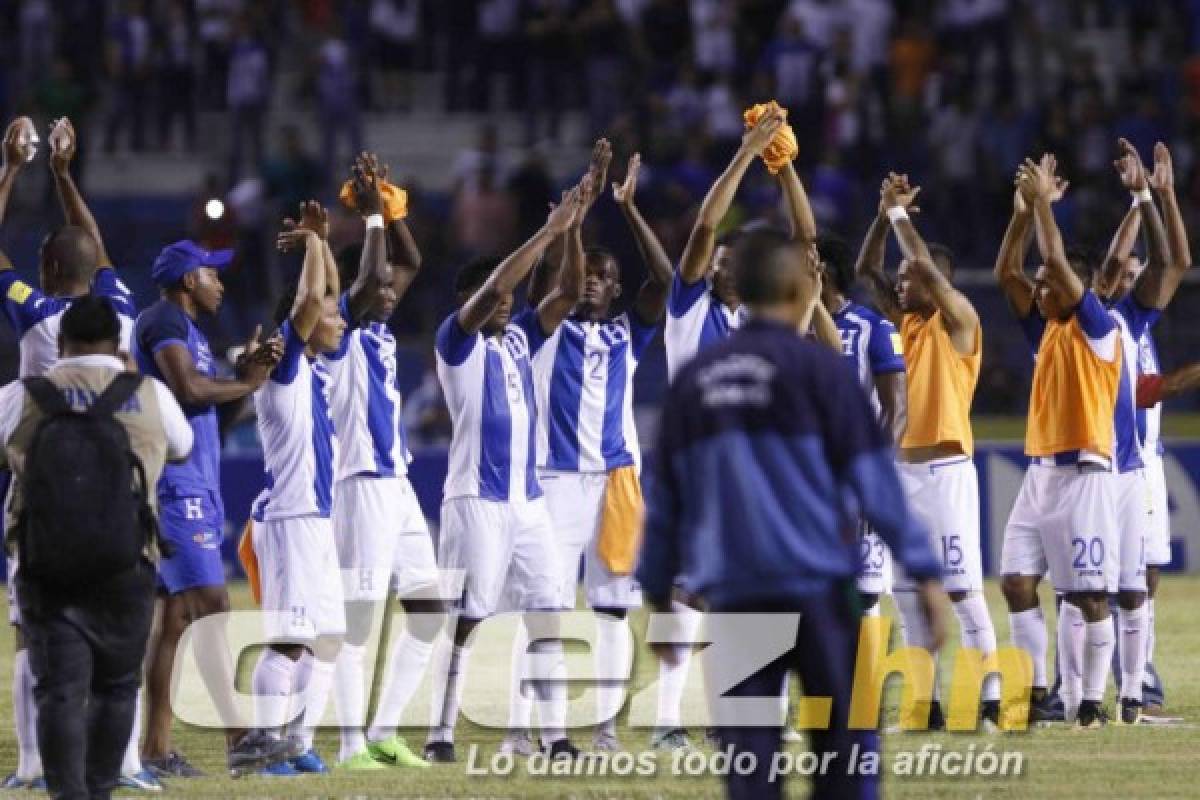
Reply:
x=892, y=388
x=62, y=141
x=14, y=160
x=800, y=213
x=869, y=266
x=1119, y=249
x=561, y=299
x=823, y=326
x=1162, y=181
x=1157, y=286
x=192, y=387
x=958, y=314
x=514, y=269
x=651, y=298
x=699, y=249
x=402, y=252
x=1036, y=182
x=373, y=271
x=312, y=287
x=1010, y=261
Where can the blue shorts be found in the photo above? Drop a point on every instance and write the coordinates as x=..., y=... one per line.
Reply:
x=193, y=522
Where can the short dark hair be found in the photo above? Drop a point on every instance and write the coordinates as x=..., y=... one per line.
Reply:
x=475, y=273
x=943, y=258
x=761, y=267
x=90, y=319
x=601, y=254
x=835, y=255
x=74, y=251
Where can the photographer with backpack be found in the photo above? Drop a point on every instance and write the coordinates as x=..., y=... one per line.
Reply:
x=86, y=444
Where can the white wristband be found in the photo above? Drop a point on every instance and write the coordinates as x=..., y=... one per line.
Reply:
x=1142, y=196
x=374, y=221
x=896, y=213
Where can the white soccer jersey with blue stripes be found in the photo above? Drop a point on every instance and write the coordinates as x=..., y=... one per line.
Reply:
x=367, y=406
x=296, y=430
x=488, y=384
x=695, y=320
x=1149, y=420
x=583, y=376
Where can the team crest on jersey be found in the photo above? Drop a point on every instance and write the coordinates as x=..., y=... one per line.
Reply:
x=205, y=539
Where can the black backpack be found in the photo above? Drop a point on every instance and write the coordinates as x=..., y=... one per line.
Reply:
x=84, y=514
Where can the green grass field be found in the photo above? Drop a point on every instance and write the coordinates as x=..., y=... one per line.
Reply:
x=1010, y=428
x=1057, y=762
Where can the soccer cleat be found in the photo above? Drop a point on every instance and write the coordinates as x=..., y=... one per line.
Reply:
x=309, y=762
x=1091, y=715
x=1131, y=711
x=989, y=716
x=144, y=781
x=254, y=751
x=13, y=782
x=440, y=752
x=712, y=738
x=671, y=739
x=172, y=766
x=516, y=743
x=937, y=719
x=359, y=762
x=792, y=736
x=395, y=752
x=606, y=742
x=562, y=749
x=280, y=769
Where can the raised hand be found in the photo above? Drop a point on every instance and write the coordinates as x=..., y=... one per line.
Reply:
x=18, y=144
x=62, y=141
x=896, y=191
x=1163, y=177
x=314, y=221
x=597, y=171
x=756, y=139
x=623, y=192
x=563, y=215
x=364, y=180
x=1129, y=167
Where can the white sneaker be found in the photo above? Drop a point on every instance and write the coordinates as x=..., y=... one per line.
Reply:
x=517, y=743
x=606, y=742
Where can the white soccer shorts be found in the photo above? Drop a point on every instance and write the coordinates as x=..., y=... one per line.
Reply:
x=575, y=502
x=1065, y=521
x=382, y=539
x=14, y=610
x=875, y=562
x=944, y=496
x=1158, y=542
x=1134, y=520
x=504, y=550
x=300, y=577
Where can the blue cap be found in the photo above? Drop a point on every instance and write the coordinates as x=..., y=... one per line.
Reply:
x=177, y=260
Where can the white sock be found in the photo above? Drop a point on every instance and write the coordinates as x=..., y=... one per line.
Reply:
x=405, y=667
x=1098, y=659
x=301, y=674
x=520, y=692
x=1134, y=629
x=1149, y=637
x=29, y=759
x=914, y=629
x=350, y=699
x=614, y=652
x=1028, y=631
x=873, y=611
x=449, y=675
x=977, y=632
x=1072, y=644
x=131, y=764
x=549, y=672
x=673, y=679
x=316, y=698
x=272, y=679
x=785, y=699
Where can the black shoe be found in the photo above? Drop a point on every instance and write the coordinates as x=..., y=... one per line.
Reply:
x=562, y=748
x=255, y=750
x=440, y=752
x=937, y=720
x=1131, y=711
x=173, y=766
x=1042, y=708
x=1091, y=715
x=989, y=714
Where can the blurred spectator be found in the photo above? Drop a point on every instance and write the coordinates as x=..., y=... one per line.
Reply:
x=395, y=26
x=176, y=57
x=338, y=104
x=425, y=416
x=36, y=39
x=821, y=20
x=685, y=105
x=603, y=37
x=713, y=40
x=483, y=218
x=545, y=24
x=129, y=65
x=290, y=174
x=215, y=25
x=668, y=28
x=459, y=21
x=532, y=189
x=485, y=155
x=247, y=95
x=497, y=55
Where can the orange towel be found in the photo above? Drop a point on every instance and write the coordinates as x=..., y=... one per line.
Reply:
x=249, y=560
x=395, y=200
x=783, y=148
x=621, y=521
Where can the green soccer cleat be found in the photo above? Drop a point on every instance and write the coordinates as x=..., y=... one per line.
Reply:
x=394, y=752
x=359, y=762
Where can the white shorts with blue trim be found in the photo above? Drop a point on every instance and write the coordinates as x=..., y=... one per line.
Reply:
x=875, y=562
x=300, y=578
x=944, y=496
x=1158, y=542
x=1134, y=522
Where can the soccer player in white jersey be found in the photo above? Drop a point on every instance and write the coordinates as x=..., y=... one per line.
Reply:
x=300, y=581
x=494, y=523
x=588, y=453
x=872, y=345
x=73, y=261
x=382, y=539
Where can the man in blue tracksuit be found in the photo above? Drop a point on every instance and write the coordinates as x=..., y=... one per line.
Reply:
x=767, y=448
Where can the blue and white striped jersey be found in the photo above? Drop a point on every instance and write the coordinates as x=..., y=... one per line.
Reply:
x=583, y=377
x=696, y=319
x=488, y=384
x=1149, y=420
x=296, y=430
x=367, y=406
x=1133, y=320
x=35, y=316
x=872, y=345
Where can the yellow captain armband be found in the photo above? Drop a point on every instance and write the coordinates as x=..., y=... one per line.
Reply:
x=19, y=291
